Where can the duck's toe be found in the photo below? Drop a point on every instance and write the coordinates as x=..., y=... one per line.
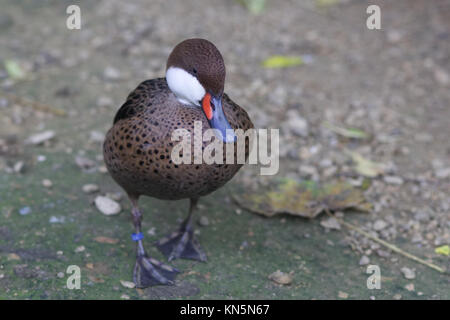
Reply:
x=151, y=272
x=183, y=245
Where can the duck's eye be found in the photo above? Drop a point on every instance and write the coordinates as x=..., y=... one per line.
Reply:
x=194, y=70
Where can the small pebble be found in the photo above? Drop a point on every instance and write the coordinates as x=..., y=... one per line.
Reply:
x=125, y=297
x=40, y=138
x=397, y=296
x=19, y=166
x=364, y=261
x=330, y=223
x=60, y=275
x=84, y=163
x=47, y=183
x=104, y=101
x=442, y=77
x=90, y=188
x=393, y=180
x=111, y=73
x=408, y=273
x=442, y=173
x=383, y=253
x=54, y=219
x=107, y=206
x=127, y=284
x=116, y=196
x=410, y=287
x=102, y=169
x=151, y=231
x=203, y=221
x=342, y=295
x=298, y=126
x=24, y=211
x=281, y=277
x=379, y=225
x=80, y=249
x=96, y=136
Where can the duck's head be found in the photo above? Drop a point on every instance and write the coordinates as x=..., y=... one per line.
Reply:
x=195, y=73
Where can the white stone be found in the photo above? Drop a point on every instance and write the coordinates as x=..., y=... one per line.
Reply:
x=39, y=138
x=107, y=206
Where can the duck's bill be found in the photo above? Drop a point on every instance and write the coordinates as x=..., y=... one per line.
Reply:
x=212, y=107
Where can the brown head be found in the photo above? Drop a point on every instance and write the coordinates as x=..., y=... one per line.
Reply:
x=195, y=73
x=201, y=59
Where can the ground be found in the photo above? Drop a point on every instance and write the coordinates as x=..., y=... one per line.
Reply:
x=392, y=83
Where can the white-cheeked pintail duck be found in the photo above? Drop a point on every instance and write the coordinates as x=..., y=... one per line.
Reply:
x=137, y=149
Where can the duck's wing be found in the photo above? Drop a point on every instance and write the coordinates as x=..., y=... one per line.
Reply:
x=236, y=116
x=141, y=98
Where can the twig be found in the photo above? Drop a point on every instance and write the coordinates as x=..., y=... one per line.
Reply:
x=35, y=105
x=387, y=244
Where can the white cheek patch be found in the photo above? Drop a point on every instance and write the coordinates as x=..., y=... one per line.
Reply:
x=185, y=86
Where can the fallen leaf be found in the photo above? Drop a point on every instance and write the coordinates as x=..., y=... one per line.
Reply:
x=102, y=239
x=95, y=279
x=14, y=70
x=278, y=61
x=326, y=3
x=13, y=256
x=305, y=199
x=366, y=167
x=254, y=6
x=347, y=132
x=444, y=250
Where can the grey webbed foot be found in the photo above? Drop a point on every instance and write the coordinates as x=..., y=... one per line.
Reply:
x=150, y=272
x=181, y=244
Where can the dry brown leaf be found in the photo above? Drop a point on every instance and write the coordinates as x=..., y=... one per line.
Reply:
x=305, y=199
x=102, y=239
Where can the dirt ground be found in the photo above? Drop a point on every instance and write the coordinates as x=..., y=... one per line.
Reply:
x=393, y=84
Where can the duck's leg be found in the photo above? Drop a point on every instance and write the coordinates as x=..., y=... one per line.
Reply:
x=182, y=244
x=147, y=271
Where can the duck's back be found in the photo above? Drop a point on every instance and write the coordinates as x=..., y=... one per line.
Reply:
x=138, y=148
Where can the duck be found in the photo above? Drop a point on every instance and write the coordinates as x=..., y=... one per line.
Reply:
x=138, y=148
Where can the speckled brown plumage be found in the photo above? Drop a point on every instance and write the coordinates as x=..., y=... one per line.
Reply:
x=138, y=147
